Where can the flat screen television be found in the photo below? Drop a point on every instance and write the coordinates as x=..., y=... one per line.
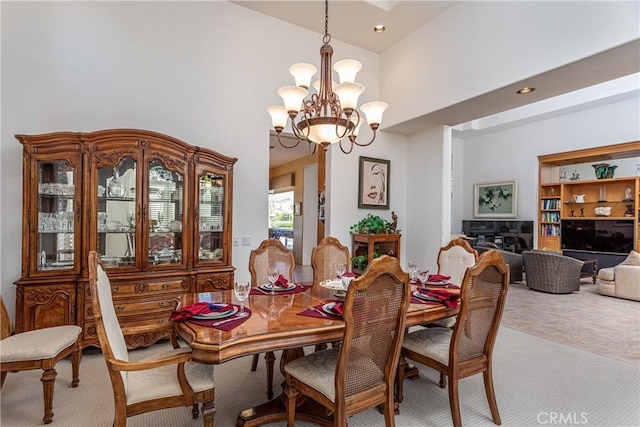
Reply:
x=614, y=236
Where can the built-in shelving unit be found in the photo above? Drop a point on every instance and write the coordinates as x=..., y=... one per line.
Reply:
x=570, y=206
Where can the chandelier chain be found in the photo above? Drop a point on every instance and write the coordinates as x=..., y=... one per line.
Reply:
x=327, y=37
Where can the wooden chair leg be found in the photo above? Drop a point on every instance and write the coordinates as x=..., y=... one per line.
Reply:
x=194, y=411
x=491, y=396
x=443, y=380
x=48, y=382
x=454, y=402
x=254, y=362
x=208, y=413
x=270, y=358
x=76, y=357
x=389, y=413
x=291, y=395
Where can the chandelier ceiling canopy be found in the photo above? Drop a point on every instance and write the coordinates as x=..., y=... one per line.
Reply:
x=330, y=114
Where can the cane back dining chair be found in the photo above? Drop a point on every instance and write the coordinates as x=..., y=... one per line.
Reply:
x=39, y=349
x=360, y=373
x=467, y=349
x=325, y=256
x=165, y=380
x=270, y=253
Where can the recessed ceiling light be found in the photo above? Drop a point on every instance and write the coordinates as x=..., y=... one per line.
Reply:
x=379, y=28
x=526, y=90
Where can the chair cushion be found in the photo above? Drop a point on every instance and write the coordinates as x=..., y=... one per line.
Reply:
x=454, y=262
x=38, y=344
x=430, y=342
x=163, y=381
x=606, y=274
x=316, y=370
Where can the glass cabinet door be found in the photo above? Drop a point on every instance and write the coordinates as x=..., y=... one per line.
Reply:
x=58, y=218
x=211, y=219
x=116, y=214
x=165, y=210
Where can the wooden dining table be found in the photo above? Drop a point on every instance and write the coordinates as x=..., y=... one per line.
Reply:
x=275, y=324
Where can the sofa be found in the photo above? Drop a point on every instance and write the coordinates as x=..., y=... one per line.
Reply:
x=623, y=280
x=551, y=272
x=512, y=259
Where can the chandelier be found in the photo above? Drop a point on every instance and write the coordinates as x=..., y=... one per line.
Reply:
x=328, y=115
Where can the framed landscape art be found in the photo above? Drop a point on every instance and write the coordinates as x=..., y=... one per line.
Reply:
x=495, y=199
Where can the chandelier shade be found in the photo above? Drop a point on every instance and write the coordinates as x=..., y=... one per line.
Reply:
x=329, y=113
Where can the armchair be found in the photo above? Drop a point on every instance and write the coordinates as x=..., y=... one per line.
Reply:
x=623, y=280
x=551, y=272
x=513, y=260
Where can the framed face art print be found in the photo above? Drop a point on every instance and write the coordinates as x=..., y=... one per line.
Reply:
x=373, y=186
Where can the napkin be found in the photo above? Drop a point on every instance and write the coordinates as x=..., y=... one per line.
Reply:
x=449, y=298
x=438, y=278
x=197, y=308
x=338, y=308
x=350, y=274
x=281, y=282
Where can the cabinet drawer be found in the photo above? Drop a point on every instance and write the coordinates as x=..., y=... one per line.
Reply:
x=148, y=288
x=140, y=308
x=214, y=282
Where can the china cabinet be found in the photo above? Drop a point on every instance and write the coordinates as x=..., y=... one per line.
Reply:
x=156, y=209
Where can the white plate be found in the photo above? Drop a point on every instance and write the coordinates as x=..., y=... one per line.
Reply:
x=424, y=297
x=335, y=284
x=438, y=283
x=328, y=308
x=268, y=287
x=217, y=314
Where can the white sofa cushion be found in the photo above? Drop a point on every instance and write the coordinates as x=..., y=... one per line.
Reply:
x=632, y=259
x=606, y=274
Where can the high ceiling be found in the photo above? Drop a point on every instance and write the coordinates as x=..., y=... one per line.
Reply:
x=353, y=21
x=401, y=17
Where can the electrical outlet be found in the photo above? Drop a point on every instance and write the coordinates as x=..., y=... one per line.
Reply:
x=236, y=241
x=246, y=241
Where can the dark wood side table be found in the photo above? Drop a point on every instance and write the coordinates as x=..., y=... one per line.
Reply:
x=590, y=268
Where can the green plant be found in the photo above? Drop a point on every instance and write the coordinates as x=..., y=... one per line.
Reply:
x=361, y=261
x=371, y=224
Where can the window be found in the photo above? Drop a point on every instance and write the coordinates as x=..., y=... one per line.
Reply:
x=281, y=217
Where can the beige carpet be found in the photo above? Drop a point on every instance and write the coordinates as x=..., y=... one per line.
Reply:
x=535, y=377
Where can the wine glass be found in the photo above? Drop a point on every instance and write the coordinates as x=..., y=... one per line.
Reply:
x=273, y=273
x=424, y=276
x=241, y=289
x=340, y=269
x=413, y=269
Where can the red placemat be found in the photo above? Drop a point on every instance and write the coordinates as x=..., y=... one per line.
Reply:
x=315, y=312
x=299, y=288
x=229, y=322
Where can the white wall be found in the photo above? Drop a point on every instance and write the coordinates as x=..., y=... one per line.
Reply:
x=512, y=153
x=203, y=72
x=476, y=47
x=428, y=195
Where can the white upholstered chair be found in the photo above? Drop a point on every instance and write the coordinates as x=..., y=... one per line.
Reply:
x=623, y=280
x=40, y=349
x=165, y=380
x=453, y=260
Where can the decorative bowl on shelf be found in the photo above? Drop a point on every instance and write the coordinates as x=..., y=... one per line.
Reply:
x=175, y=226
x=603, y=210
x=113, y=225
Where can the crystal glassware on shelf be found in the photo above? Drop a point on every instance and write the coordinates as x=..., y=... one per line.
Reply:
x=116, y=188
x=241, y=290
